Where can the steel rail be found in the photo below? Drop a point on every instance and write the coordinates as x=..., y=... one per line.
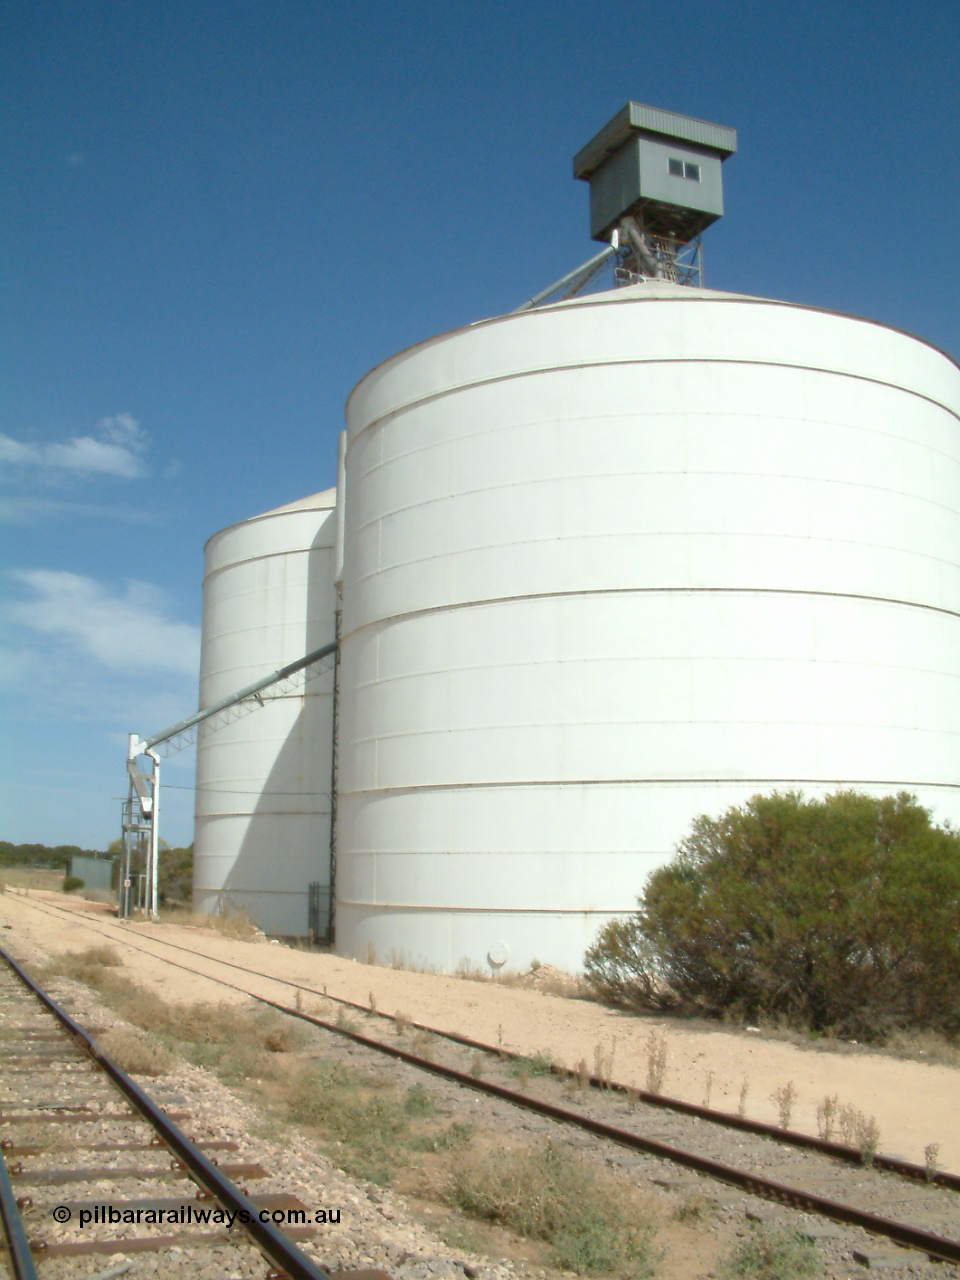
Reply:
x=282, y=1252
x=18, y=1248
x=789, y=1137
x=935, y=1246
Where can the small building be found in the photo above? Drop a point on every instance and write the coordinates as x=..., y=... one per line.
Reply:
x=95, y=872
x=659, y=167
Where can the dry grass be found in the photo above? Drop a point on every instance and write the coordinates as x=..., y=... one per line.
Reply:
x=33, y=878
x=592, y=1221
x=694, y=1207
x=772, y=1255
x=539, y=977
x=603, y=1064
x=784, y=1096
x=708, y=1088
x=656, y=1061
x=742, y=1103
x=826, y=1117
x=135, y=1053
x=235, y=925
x=916, y=1045
x=859, y=1130
x=924, y=1046
x=365, y=1119
x=78, y=963
x=424, y=1046
x=343, y=1020
x=282, y=1035
x=235, y=1042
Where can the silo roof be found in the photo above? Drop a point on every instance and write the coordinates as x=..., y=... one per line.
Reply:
x=636, y=117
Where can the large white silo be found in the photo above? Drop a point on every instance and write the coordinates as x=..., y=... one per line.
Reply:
x=262, y=830
x=616, y=562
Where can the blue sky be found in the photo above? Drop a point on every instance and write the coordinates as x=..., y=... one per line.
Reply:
x=217, y=217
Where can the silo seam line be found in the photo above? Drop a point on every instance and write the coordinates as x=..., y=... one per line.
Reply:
x=674, y=473
x=646, y=782
x=729, y=300
x=626, y=535
x=428, y=610
x=486, y=433
x=398, y=410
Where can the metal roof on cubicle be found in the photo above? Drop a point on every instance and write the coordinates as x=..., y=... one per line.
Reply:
x=636, y=117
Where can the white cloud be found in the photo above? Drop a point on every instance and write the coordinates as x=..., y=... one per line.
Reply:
x=31, y=511
x=125, y=631
x=116, y=448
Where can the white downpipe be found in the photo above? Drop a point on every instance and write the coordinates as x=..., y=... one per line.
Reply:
x=123, y=890
x=151, y=903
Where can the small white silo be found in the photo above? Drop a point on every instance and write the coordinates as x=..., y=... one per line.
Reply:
x=262, y=830
x=616, y=562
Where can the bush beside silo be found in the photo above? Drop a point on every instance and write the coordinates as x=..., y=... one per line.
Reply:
x=839, y=913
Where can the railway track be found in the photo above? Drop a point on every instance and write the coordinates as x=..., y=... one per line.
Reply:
x=79, y=1139
x=895, y=1199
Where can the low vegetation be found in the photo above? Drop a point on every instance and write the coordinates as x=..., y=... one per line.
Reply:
x=771, y=1255
x=366, y=1121
x=840, y=914
x=541, y=1064
x=859, y=1130
x=587, y=1221
x=547, y=1193
x=95, y=957
x=237, y=1044
x=231, y=924
x=784, y=1097
x=656, y=1061
x=135, y=1053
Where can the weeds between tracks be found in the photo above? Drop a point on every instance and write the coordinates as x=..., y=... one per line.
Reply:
x=584, y=1219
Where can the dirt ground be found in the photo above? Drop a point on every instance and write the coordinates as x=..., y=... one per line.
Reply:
x=915, y=1103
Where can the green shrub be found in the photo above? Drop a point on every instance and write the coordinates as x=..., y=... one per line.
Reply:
x=72, y=883
x=841, y=913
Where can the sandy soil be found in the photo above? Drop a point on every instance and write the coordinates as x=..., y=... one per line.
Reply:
x=914, y=1103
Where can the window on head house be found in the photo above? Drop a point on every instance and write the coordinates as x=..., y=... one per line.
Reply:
x=683, y=169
